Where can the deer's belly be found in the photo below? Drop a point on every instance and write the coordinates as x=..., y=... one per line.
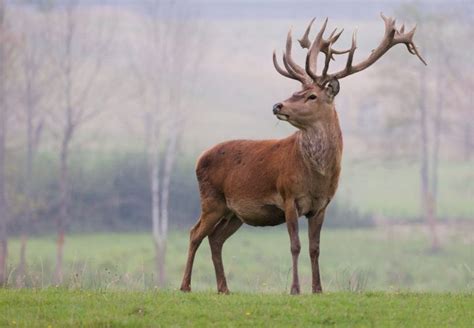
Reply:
x=257, y=213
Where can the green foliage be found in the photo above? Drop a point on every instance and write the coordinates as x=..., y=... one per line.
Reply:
x=59, y=307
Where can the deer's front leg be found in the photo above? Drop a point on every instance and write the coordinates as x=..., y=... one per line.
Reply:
x=315, y=224
x=291, y=217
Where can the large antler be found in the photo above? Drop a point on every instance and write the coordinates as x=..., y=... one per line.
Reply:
x=392, y=37
x=309, y=74
x=293, y=71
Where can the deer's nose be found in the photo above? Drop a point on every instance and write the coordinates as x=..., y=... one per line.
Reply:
x=277, y=107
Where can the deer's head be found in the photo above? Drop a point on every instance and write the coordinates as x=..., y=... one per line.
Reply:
x=316, y=98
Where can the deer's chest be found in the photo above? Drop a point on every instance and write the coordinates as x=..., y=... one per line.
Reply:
x=308, y=205
x=313, y=193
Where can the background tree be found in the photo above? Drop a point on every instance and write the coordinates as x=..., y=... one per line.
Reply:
x=34, y=75
x=8, y=45
x=165, y=70
x=3, y=132
x=426, y=90
x=79, y=44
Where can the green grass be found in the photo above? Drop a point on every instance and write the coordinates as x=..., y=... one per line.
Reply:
x=372, y=277
x=259, y=260
x=59, y=308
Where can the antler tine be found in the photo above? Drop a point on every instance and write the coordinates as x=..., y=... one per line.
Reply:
x=352, y=50
x=329, y=51
x=402, y=29
x=281, y=70
x=326, y=64
x=332, y=33
x=332, y=39
x=291, y=71
x=304, y=41
x=293, y=67
x=407, y=39
x=389, y=25
x=325, y=77
x=312, y=56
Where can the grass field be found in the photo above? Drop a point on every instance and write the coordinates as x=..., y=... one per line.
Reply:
x=259, y=260
x=381, y=277
x=60, y=308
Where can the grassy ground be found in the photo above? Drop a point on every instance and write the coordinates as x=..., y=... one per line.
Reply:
x=258, y=260
x=59, y=308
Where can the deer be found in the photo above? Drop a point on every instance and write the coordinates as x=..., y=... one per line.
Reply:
x=271, y=182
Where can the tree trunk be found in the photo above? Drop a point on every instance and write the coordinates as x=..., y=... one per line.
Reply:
x=64, y=151
x=20, y=280
x=160, y=261
x=3, y=201
x=3, y=260
x=58, y=272
x=63, y=207
x=3, y=204
x=154, y=170
x=3, y=132
x=162, y=236
x=436, y=145
x=21, y=274
x=155, y=209
x=438, y=119
x=426, y=196
x=468, y=144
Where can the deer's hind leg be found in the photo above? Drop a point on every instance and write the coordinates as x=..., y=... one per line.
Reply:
x=226, y=228
x=211, y=213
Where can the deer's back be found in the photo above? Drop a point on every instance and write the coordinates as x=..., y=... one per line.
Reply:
x=246, y=175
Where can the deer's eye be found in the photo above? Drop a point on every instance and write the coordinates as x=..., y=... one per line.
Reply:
x=312, y=97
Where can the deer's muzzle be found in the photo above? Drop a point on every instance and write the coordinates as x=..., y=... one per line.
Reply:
x=277, y=108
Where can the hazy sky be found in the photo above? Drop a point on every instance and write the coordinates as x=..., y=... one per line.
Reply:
x=245, y=9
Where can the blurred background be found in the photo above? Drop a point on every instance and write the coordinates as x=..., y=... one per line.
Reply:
x=106, y=105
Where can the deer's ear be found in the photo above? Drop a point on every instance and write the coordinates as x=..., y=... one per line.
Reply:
x=332, y=88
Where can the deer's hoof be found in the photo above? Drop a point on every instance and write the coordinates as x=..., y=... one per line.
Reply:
x=223, y=291
x=295, y=290
x=185, y=289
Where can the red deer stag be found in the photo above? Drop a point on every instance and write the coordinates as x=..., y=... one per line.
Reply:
x=269, y=182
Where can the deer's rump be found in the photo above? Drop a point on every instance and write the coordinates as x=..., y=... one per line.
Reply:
x=243, y=175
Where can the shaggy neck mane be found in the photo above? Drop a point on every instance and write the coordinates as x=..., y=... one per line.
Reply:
x=321, y=144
